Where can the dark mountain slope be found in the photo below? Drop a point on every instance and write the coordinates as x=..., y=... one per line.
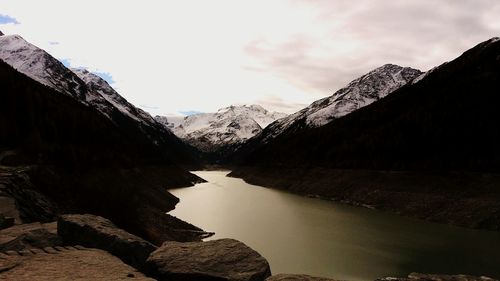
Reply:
x=92, y=91
x=441, y=132
x=449, y=120
x=84, y=162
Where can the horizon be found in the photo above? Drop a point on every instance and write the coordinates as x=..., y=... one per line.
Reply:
x=200, y=57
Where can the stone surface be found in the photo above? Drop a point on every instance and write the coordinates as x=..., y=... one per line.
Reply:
x=31, y=235
x=21, y=199
x=223, y=259
x=97, y=232
x=86, y=264
x=5, y=221
x=437, y=277
x=296, y=277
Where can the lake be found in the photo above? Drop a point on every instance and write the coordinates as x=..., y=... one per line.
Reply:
x=312, y=236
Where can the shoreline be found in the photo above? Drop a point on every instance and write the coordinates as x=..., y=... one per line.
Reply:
x=386, y=191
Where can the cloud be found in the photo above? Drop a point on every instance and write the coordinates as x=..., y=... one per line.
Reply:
x=148, y=106
x=285, y=54
x=280, y=105
x=5, y=19
x=358, y=36
x=190, y=112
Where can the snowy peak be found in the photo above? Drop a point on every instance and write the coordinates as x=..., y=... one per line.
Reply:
x=1, y=33
x=163, y=120
x=82, y=85
x=228, y=126
x=361, y=92
x=255, y=112
x=40, y=66
x=98, y=85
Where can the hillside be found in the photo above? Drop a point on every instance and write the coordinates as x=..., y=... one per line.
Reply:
x=56, y=148
x=428, y=149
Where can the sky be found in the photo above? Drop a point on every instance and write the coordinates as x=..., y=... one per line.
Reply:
x=178, y=57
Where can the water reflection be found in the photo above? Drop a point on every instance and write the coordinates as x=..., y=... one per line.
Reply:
x=304, y=235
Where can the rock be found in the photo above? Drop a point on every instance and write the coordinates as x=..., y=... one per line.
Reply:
x=97, y=232
x=13, y=158
x=437, y=277
x=223, y=259
x=85, y=264
x=296, y=277
x=6, y=221
x=32, y=235
x=21, y=199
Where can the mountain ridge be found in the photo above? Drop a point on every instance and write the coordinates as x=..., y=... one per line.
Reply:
x=81, y=153
x=92, y=91
x=428, y=150
x=360, y=92
x=228, y=126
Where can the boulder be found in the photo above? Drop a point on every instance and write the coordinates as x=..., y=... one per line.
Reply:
x=296, y=277
x=31, y=235
x=65, y=263
x=21, y=199
x=97, y=232
x=5, y=221
x=223, y=259
x=437, y=277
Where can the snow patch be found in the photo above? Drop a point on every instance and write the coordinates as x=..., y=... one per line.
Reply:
x=359, y=93
x=229, y=125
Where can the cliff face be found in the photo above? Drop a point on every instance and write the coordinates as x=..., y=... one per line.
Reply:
x=84, y=162
x=441, y=132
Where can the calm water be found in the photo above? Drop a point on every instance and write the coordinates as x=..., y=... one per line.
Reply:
x=312, y=236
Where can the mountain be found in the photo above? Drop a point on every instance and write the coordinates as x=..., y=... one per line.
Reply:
x=430, y=149
x=70, y=143
x=93, y=91
x=165, y=121
x=98, y=85
x=228, y=126
x=359, y=93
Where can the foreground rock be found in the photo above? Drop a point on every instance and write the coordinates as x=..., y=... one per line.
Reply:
x=97, y=232
x=437, y=277
x=296, y=277
x=224, y=259
x=65, y=264
x=31, y=235
x=20, y=199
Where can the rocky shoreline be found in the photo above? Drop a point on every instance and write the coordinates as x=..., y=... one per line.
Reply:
x=474, y=202
x=89, y=247
x=41, y=194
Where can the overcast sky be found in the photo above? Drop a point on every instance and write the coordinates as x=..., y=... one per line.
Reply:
x=179, y=56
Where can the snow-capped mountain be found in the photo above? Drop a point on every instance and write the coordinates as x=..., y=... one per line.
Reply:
x=80, y=84
x=231, y=125
x=98, y=85
x=360, y=92
x=42, y=67
x=93, y=92
x=170, y=122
